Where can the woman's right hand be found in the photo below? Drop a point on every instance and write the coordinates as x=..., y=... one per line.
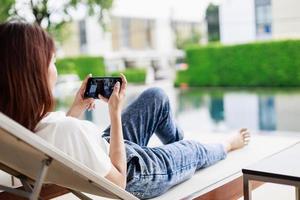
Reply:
x=115, y=101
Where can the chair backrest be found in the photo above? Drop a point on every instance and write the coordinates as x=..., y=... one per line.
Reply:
x=23, y=151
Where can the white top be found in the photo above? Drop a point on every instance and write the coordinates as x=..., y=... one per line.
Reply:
x=80, y=139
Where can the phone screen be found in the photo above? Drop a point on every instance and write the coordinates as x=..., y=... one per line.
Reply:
x=100, y=85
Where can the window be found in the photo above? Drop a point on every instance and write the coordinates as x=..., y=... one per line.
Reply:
x=263, y=17
x=82, y=36
x=125, y=32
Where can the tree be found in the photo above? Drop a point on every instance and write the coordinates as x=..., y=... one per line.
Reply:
x=5, y=8
x=51, y=14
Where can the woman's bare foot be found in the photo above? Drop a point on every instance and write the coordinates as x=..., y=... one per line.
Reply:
x=237, y=140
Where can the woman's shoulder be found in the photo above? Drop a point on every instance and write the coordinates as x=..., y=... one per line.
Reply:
x=53, y=119
x=58, y=121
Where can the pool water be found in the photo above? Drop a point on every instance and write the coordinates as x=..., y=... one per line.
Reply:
x=218, y=110
x=222, y=110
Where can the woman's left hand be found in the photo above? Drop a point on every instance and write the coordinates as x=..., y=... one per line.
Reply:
x=80, y=103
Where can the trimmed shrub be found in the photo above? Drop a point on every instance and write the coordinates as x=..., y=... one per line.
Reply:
x=270, y=64
x=82, y=66
x=133, y=75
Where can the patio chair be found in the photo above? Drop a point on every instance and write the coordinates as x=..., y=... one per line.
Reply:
x=37, y=163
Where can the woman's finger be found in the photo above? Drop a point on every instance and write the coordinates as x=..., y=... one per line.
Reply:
x=124, y=83
x=87, y=107
x=124, y=80
x=89, y=101
x=116, y=90
x=102, y=98
x=84, y=82
x=91, y=106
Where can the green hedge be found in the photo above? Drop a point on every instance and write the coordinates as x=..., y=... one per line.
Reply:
x=270, y=64
x=133, y=75
x=82, y=66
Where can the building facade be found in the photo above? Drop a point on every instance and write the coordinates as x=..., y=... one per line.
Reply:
x=251, y=20
x=141, y=33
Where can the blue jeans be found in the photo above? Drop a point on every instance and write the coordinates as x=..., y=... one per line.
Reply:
x=152, y=171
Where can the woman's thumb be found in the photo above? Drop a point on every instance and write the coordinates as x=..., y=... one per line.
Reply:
x=117, y=88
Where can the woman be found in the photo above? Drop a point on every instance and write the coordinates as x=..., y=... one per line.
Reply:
x=27, y=79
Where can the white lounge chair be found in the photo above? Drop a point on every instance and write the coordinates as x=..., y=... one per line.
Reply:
x=22, y=152
x=25, y=153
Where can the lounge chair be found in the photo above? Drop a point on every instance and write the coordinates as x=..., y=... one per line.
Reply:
x=26, y=154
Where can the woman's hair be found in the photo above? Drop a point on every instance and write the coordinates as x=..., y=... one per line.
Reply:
x=25, y=54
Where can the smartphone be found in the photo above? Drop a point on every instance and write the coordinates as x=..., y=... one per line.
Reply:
x=100, y=85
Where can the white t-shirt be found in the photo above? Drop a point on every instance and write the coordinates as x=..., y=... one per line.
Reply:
x=79, y=139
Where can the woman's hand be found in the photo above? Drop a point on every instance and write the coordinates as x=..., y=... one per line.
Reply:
x=80, y=104
x=115, y=101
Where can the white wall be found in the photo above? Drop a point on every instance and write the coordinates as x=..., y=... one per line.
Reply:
x=237, y=21
x=98, y=42
x=286, y=19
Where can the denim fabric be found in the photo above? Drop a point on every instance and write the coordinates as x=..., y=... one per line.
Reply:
x=152, y=171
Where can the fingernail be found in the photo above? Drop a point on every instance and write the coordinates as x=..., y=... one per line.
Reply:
x=118, y=83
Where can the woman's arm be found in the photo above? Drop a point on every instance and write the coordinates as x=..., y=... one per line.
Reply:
x=80, y=104
x=117, y=153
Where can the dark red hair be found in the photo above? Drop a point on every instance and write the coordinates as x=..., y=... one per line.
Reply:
x=25, y=54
